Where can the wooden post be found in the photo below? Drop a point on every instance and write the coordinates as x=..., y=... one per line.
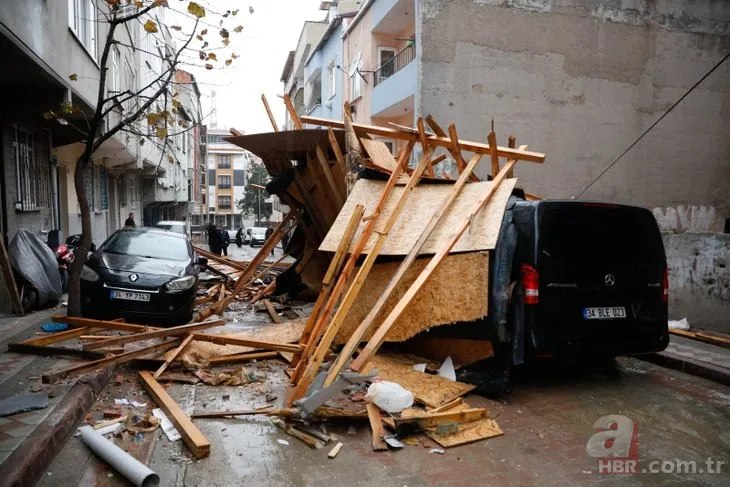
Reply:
x=336, y=149
x=455, y=150
x=174, y=356
x=272, y=312
x=492, y=140
x=7, y=270
x=424, y=142
x=379, y=336
x=410, y=258
x=511, y=143
x=268, y=112
x=349, y=298
x=292, y=112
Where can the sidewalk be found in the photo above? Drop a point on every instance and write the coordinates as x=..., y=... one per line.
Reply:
x=29, y=441
x=704, y=360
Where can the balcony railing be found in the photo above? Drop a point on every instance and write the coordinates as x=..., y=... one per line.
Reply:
x=395, y=64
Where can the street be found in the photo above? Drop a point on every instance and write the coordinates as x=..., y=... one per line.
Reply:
x=547, y=419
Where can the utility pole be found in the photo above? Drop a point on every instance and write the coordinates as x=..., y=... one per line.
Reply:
x=258, y=201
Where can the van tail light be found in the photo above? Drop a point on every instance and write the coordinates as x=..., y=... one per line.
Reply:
x=665, y=285
x=531, y=284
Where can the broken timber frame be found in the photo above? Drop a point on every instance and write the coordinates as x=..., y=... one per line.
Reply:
x=165, y=332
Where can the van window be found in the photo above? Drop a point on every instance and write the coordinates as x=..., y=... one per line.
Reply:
x=592, y=233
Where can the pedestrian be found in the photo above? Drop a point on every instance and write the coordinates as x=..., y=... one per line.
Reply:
x=284, y=241
x=129, y=222
x=269, y=232
x=214, y=239
x=225, y=241
x=239, y=238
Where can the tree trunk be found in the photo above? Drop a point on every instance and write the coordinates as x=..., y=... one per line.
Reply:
x=80, y=253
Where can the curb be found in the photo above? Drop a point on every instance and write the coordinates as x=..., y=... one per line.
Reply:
x=28, y=463
x=690, y=366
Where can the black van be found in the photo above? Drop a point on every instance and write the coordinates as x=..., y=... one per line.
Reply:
x=593, y=278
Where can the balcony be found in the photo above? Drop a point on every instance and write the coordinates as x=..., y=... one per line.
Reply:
x=394, y=82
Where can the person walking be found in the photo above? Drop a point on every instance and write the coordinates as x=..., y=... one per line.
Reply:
x=214, y=239
x=269, y=232
x=225, y=241
x=129, y=222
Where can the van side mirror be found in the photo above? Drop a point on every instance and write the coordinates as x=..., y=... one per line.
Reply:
x=202, y=261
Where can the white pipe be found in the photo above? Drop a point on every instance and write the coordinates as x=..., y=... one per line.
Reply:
x=137, y=472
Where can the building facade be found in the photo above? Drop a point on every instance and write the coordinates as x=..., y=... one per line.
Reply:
x=228, y=167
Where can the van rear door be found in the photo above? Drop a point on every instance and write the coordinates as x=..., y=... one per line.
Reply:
x=601, y=269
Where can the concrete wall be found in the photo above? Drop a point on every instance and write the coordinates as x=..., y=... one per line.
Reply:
x=580, y=80
x=699, y=279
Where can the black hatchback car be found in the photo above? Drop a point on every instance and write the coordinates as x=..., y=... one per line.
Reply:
x=144, y=274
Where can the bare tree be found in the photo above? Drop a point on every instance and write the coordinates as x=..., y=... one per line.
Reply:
x=151, y=109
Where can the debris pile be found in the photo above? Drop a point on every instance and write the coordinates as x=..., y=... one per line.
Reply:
x=392, y=249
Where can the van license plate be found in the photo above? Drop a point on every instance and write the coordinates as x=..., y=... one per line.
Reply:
x=129, y=296
x=606, y=313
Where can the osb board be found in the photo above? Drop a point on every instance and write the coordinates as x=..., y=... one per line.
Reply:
x=287, y=332
x=467, y=433
x=418, y=210
x=443, y=300
x=431, y=390
x=379, y=153
x=461, y=350
x=413, y=412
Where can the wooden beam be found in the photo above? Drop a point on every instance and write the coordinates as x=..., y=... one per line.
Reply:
x=492, y=139
x=272, y=312
x=165, y=332
x=376, y=427
x=437, y=160
x=266, y=269
x=405, y=265
x=336, y=148
x=24, y=347
x=423, y=139
x=10, y=284
x=338, y=288
x=105, y=324
x=57, y=337
x=264, y=292
x=379, y=336
x=449, y=405
x=191, y=435
x=511, y=143
x=308, y=439
x=174, y=355
x=337, y=192
x=334, y=451
x=108, y=361
x=268, y=112
x=244, y=342
x=241, y=357
x=456, y=152
x=292, y=113
x=354, y=289
x=334, y=268
x=466, y=145
x=221, y=260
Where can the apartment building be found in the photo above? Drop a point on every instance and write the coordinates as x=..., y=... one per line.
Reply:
x=228, y=167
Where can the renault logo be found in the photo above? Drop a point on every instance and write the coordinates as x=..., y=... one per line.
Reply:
x=610, y=280
x=134, y=278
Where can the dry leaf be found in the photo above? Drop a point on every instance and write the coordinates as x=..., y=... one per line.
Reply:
x=150, y=26
x=238, y=29
x=208, y=66
x=74, y=77
x=161, y=132
x=196, y=10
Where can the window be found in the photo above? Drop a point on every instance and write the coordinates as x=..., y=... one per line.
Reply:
x=103, y=188
x=149, y=245
x=332, y=79
x=224, y=161
x=32, y=170
x=82, y=21
x=386, y=56
x=224, y=182
x=132, y=193
x=224, y=202
x=116, y=81
x=185, y=142
x=355, y=78
x=122, y=190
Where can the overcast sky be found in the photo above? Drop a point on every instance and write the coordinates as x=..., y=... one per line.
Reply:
x=268, y=35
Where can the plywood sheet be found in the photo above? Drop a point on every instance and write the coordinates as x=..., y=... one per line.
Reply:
x=466, y=433
x=444, y=299
x=420, y=207
x=379, y=153
x=431, y=390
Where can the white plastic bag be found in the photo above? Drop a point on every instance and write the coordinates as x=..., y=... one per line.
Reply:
x=682, y=324
x=389, y=396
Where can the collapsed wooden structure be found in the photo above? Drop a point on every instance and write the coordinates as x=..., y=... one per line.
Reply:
x=382, y=239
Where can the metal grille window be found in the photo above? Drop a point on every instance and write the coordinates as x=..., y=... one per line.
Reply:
x=224, y=182
x=224, y=202
x=32, y=170
x=103, y=189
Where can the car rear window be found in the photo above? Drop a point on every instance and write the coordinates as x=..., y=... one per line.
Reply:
x=589, y=233
x=153, y=245
x=171, y=227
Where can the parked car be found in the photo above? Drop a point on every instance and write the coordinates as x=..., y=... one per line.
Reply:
x=231, y=234
x=147, y=275
x=258, y=236
x=594, y=278
x=174, y=226
x=247, y=236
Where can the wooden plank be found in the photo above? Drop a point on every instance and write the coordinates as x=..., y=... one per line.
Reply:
x=334, y=451
x=244, y=342
x=272, y=312
x=337, y=191
x=105, y=324
x=242, y=357
x=191, y=435
x=422, y=137
x=339, y=287
x=264, y=292
x=219, y=259
x=466, y=433
x=376, y=427
x=511, y=143
x=492, y=140
x=354, y=289
x=333, y=270
x=268, y=112
x=165, y=332
x=306, y=438
x=702, y=336
x=9, y=277
x=432, y=139
x=24, y=347
x=455, y=151
x=292, y=113
x=449, y=405
x=173, y=356
x=406, y=264
x=379, y=336
x=57, y=337
x=336, y=148
x=432, y=420
x=108, y=361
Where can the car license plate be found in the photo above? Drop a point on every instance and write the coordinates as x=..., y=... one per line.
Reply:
x=129, y=295
x=604, y=313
